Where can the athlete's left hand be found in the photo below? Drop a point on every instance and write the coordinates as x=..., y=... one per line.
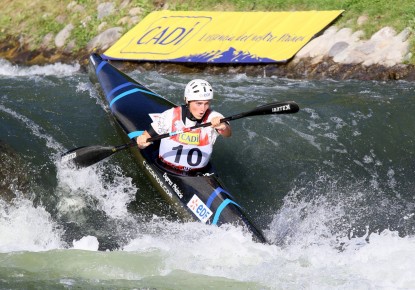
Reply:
x=217, y=124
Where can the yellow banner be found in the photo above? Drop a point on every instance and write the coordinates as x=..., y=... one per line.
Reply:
x=220, y=37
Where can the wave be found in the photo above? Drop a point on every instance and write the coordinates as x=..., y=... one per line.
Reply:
x=57, y=69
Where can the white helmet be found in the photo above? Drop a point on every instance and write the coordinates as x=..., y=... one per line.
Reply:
x=198, y=90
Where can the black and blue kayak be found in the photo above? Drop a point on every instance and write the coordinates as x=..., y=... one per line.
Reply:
x=196, y=195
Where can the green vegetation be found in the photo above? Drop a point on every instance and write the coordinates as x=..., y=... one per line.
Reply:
x=380, y=13
x=34, y=19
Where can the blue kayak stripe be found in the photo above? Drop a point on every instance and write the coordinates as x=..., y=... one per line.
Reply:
x=98, y=69
x=221, y=208
x=100, y=66
x=151, y=93
x=135, y=134
x=119, y=88
x=214, y=194
x=129, y=92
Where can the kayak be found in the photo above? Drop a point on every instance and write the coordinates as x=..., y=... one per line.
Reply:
x=197, y=195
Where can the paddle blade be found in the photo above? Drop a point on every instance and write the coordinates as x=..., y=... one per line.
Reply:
x=87, y=155
x=288, y=107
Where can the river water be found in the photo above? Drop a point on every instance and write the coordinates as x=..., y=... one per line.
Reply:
x=332, y=188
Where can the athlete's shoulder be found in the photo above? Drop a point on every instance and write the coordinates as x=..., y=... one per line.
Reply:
x=214, y=114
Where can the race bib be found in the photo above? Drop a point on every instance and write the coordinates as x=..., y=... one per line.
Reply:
x=184, y=155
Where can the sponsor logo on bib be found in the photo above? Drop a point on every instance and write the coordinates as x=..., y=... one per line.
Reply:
x=190, y=138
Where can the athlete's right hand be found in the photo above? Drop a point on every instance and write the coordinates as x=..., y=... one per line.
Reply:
x=142, y=141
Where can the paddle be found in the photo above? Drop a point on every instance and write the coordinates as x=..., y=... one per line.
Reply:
x=88, y=155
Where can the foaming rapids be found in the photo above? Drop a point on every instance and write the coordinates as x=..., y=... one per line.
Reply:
x=25, y=227
x=102, y=186
x=309, y=240
x=311, y=261
x=93, y=199
x=57, y=69
x=325, y=211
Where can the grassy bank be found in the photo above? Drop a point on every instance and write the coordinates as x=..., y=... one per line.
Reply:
x=32, y=20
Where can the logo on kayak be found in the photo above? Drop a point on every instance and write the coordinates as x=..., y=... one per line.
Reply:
x=281, y=108
x=199, y=208
x=173, y=185
x=190, y=138
x=157, y=179
x=69, y=157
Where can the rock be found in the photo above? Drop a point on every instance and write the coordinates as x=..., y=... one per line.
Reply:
x=123, y=21
x=345, y=47
x=71, y=5
x=321, y=45
x=75, y=7
x=407, y=58
x=124, y=4
x=101, y=26
x=63, y=35
x=47, y=40
x=60, y=19
x=70, y=47
x=384, y=33
x=337, y=48
x=105, y=9
x=105, y=39
x=386, y=48
x=404, y=35
x=349, y=56
x=135, y=11
x=362, y=19
x=134, y=20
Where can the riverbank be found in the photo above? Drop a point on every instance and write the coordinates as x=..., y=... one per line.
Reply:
x=338, y=53
x=307, y=67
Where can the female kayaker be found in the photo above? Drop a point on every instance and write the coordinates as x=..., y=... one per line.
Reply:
x=192, y=149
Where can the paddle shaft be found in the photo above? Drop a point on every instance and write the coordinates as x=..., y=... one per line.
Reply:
x=273, y=108
x=166, y=135
x=162, y=136
x=88, y=155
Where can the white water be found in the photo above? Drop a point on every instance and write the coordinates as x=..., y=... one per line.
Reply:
x=386, y=262
x=58, y=69
x=311, y=260
x=305, y=254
